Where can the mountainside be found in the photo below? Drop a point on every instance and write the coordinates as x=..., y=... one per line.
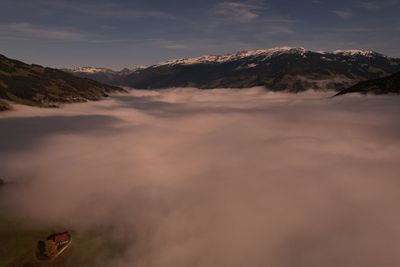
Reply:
x=282, y=68
x=387, y=85
x=39, y=86
x=103, y=75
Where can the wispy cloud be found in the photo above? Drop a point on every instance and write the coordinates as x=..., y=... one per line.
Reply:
x=242, y=12
x=28, y=30
x=115, y=11
x=251, y=13
x=372, y=6
x=111, y=10
x=344, y=13
x=378, y=5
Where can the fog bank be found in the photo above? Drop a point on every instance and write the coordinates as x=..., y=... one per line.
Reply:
x=185, y=177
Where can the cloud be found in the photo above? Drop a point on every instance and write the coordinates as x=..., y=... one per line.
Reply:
x=119, y=12
x=344, y=13
x=249, y=16
x=107, y=10
x=372, y=6
x=186, y=177
x=377, y=6
x=28, y=30
x=241, y=12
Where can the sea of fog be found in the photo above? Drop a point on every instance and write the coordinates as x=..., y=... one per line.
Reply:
x=184, y=177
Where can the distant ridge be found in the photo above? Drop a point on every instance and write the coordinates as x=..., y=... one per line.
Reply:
x=292, y=69
x=103, y=75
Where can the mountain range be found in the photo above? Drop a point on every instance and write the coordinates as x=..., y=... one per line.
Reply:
x=278, y=69
x=292, y=69
x=45, y=87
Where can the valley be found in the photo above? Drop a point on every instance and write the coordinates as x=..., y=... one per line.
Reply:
x=165, y=177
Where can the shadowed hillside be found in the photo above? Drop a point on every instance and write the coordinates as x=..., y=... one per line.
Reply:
x=387, y=85
x=45, y=87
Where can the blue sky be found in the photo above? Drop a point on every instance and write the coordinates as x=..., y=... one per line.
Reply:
x=123, y=33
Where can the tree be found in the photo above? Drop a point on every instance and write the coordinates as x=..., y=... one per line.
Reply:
x=41, y=248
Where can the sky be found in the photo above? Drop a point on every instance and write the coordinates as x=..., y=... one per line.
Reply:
x=122, y=33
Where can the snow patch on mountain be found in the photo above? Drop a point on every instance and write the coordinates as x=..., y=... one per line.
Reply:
x=94, y=70
x=88, y=69
x=355, y=52
x=211, y=59
x=266, y=53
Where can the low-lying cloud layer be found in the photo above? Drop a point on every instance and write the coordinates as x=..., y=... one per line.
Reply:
x=185, y=177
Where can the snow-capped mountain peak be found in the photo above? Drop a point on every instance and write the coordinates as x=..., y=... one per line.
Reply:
x=239, y=55
x=138, y=67
x=88, y=69
x=272, y=51
x=94, y=70
x=356, y=52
